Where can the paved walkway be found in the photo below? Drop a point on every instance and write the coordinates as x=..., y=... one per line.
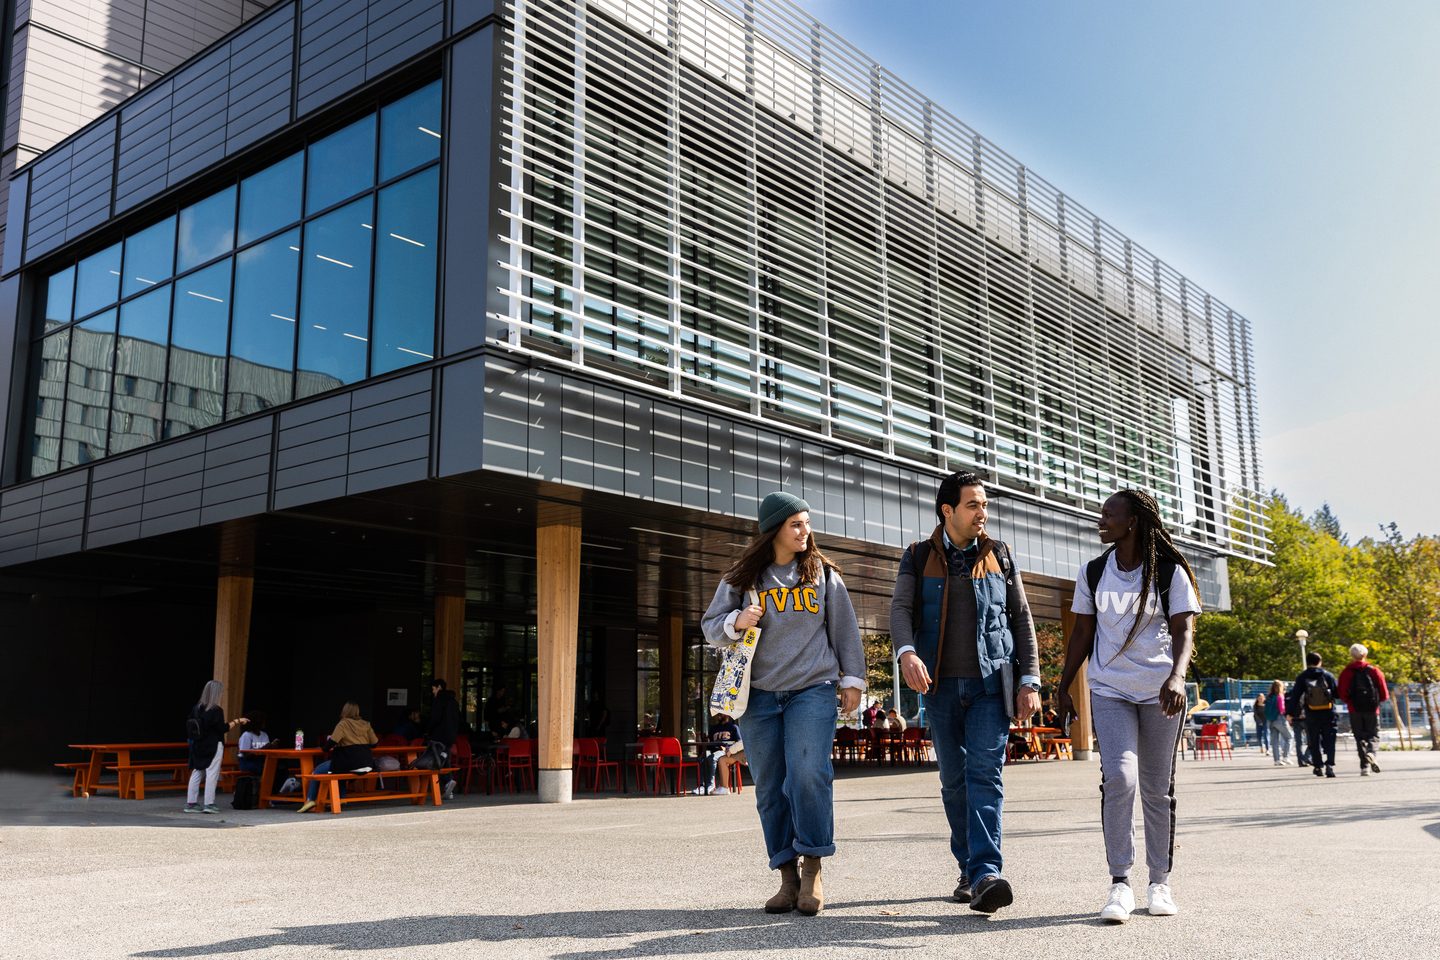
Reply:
x=1270, y=861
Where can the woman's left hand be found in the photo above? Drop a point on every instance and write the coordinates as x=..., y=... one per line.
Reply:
x=1172, y=695
x=849, y=700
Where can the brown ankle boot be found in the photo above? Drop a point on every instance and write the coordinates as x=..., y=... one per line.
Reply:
x=784, y=900
x=812, y=896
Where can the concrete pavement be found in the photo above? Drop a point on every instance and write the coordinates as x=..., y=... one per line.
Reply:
x=1271, y=862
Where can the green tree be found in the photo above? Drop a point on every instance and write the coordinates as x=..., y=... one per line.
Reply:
x=1406, y=576
x=879, y=679
x=1313, y=582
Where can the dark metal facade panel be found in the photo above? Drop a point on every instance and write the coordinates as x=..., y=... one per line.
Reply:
x=415, y=450
x=399, y=33
x=332, y=51
x=639, y=446
x=744, y=472
x=464, y=422
x=666, y=454
x=393, y=475
x=542, y=444
x=577, y=439
x=720, y=465
x=504, y=414
x=92, y=169
x=608, y=452
x=694, y=459
x=143, y=160
x=49, y=201
x=391, y=432
x=18, y=203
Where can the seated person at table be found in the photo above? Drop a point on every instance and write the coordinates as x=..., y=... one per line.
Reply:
x=724, y=752
x=409, y=728
x=251, y=741
x=352, y=739
x=895, y=721
x=1017, y=743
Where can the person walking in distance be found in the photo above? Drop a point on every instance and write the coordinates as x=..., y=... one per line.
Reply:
x=1135, y=608
x=963, y=635
x=809, y=643
x=1278, y=723
x=1362, y=686
x=1262, y=729
x=1317, y=688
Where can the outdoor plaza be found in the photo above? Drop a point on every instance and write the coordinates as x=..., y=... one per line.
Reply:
x=1269, y=862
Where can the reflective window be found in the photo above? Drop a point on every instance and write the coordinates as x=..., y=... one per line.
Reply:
x=404, y=330
x=149, y=257
x=262, y=328
x=335, y=299
x=59, y=298
x=195, y=385
x=140, y=354
x=271, y=198
x=341, y=165
x=97, y=282
x=410, y=132
x=53, y=353
x=207, y=230
x=87, y=398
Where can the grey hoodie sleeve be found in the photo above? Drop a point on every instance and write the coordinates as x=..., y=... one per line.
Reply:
x=1022, y=628
x=844, y=631
x=727, y=600
x=902, y=604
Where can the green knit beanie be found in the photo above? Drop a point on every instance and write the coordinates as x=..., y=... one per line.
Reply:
x=779, y=507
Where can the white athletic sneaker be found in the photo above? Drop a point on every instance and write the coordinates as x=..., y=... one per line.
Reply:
x=1161, y=903
x=720, y=791
x=1120, y=905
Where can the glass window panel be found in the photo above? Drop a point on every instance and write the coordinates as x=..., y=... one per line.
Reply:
x=207, y=229
x=97, y=281
x=335, y=299
x=52, y=357
x=410, y=132
x=271, y=198
x=87, y=398
x=140, y=355
x=404, y=331
x=341, y=165
x=195, y=385
x=149, y=257
x=60, y=298
x=262, y=339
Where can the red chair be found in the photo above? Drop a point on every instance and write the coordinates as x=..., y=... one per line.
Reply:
x=915, y=746
x=672, y=758
x=1213, y=737
x=519, y=758
x=847, y=745
x=590, y=761
x=464, y=758
x=645, y=761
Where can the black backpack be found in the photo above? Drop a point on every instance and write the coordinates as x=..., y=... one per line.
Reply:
x=1318, y=695
x=1364, y=691
x=247, y=793
x=1164, y=576
x=193, y=730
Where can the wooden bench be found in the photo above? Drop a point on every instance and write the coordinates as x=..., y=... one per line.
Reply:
x=419, y=785
x=132, y=777
x=80, y=770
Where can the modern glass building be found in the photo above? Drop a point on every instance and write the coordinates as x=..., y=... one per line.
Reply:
x=465, y=337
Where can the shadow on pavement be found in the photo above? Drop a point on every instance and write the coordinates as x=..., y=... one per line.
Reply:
x=680, y=931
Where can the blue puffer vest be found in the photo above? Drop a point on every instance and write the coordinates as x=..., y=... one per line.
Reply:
x=989, y=577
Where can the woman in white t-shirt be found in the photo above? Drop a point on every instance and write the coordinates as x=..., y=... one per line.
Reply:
x=252, y=741
x=1137, y=663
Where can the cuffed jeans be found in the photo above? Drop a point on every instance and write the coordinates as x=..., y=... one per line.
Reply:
x=1280, y=739
x=968, y=728
x=788, y=737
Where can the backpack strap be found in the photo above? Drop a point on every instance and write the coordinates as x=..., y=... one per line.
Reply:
x=1094, y=570
x=1164, y=576
x=919, y=553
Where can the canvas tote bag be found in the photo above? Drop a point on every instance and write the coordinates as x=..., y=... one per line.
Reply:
x=731, y=693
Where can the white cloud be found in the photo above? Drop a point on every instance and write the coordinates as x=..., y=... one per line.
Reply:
x=1371, y=465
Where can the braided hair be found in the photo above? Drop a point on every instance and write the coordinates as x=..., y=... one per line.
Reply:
x=1155, y=543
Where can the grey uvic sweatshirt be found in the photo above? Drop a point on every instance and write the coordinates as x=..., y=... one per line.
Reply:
x=808, y=633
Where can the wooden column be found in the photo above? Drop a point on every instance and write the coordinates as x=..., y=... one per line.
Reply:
x=234, y=595
x=672, y=665
x=557, y=614
x=1082, y=736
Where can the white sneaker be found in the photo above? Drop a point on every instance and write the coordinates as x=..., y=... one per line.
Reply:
x=720, y=791
x=449, y=791
x=1120, y=905
x=1161, y=903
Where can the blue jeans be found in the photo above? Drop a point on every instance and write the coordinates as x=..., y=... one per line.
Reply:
x=788, y=736
x=313, y=790
x=1262, y=734
x=968, y=727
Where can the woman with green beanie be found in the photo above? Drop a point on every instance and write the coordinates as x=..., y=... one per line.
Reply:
x=809, y=645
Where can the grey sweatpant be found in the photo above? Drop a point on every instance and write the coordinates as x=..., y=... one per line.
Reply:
x=1137, y=750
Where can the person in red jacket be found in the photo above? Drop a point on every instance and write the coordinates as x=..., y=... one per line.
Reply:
x=1362, y=687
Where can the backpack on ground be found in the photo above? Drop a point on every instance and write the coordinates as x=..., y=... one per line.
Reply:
x=247, y=793
x=1364, y=691
x=1318, y=695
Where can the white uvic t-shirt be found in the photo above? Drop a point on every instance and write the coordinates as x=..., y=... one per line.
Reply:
x=1138, y=673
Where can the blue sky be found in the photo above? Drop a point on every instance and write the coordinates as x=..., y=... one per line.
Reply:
x=1284, y=155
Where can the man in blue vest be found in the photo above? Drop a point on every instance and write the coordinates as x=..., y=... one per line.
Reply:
x=961, y=628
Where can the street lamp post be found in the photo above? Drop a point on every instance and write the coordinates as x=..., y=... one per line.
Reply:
x=1302, y=636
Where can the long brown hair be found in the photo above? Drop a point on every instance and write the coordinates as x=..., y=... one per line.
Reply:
x=1154, y=541
x=744, y=574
